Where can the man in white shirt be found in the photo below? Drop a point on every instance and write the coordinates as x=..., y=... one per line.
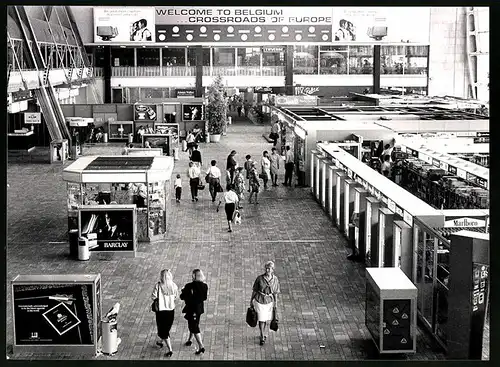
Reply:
x=194, y=180
x=288, y=166
x=231, y=200
x=214, y=175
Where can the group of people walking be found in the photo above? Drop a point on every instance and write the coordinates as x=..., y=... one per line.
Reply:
x=165, y=294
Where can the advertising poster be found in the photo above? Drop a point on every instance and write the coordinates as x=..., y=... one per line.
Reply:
x=53, y=314
x=145, y=112
x=395, y=24
x=124, y=24
x=192, y=112
x=114, y=229
x=243, y=24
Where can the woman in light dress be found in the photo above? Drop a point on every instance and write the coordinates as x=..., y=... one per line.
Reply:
x=275, y=166
x=265, y=164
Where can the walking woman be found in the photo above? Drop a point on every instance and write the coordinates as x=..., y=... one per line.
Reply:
x=275, y=166
x=265, y=298
x=231, y=203
x=239, y=185
x=166, y=291
x=194, y=294
x=214, y=175
x=265, y=164
x=194, y=180
x=254, y=183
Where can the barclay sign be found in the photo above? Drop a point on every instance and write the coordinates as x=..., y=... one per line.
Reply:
x=465, y=222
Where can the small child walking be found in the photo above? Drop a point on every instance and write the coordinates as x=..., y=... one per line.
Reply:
x=178, y=188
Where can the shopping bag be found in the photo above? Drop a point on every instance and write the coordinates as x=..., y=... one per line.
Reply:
x=251, y=317
x=274, y=322
x=201, y=186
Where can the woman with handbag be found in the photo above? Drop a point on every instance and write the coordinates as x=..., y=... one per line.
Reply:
x=231, y=203
x=213, y=179
x=194, y=180
x=265, y=298
x=275, y=128
x=194, y=294
x=265, y=164
x=164, y=294
x=254, y=183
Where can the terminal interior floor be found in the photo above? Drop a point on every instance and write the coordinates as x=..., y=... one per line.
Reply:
x=323, y=295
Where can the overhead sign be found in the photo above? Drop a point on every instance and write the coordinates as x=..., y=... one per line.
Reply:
x=296, y=100
x=465, y=222
x=184, y=93
x=272, y=49
x=32, y=118
x=124, y=24
x=308, y=91
x=144, y=112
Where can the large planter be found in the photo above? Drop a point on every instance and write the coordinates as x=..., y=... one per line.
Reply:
x=214, y=138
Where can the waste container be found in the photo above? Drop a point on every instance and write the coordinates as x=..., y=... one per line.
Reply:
x=105, y=137
x=109, y=336
x=83, y=249
x=73, y=243
x=176, y=154
x=130, y=138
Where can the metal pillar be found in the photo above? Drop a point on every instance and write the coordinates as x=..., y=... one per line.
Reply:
x=376, y=69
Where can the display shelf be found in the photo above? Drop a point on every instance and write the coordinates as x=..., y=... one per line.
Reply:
x=120, y=130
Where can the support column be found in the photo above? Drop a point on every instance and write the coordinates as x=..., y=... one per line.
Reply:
x=289, y=71
x=376, y=69
x=107, y=74
x=199, y=71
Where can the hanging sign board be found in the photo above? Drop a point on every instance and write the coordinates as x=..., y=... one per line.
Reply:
x=32, y=118
x=465, y=223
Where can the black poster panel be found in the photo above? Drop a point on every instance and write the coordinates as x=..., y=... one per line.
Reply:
x=53, y=314
x=479, y=299
x=114, y=229
x=397, y=325
x=145, y=112
x=192, y=112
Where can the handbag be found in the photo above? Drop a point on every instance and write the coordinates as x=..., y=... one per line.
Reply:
x=262, y=176
x=219, y=188
x=207, y=178
x=201, y=186
x=251, y=317
x=274, y=322
x=155, y=306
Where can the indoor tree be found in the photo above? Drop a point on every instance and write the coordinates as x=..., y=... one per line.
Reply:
x=216, y=107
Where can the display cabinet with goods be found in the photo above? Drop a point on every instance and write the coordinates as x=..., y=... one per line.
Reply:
x=158, y=197
x=216, y=109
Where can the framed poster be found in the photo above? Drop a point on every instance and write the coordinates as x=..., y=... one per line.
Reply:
x=145, y=112
x=192, y=112
x=124, y=24
x=56, y=310
x=114, y=226
x=158, y=141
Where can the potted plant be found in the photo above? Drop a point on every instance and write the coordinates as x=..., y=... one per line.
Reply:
x=216, y=109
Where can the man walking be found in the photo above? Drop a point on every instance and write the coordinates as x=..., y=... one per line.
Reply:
x=231, y=165
x=288, y=166
x=196, y=155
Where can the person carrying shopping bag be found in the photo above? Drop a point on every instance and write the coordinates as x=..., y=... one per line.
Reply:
x=164, y=294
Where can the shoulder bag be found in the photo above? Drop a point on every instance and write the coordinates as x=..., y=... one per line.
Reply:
x=155, y=306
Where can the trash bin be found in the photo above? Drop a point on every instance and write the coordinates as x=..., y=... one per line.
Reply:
x=73, y=243
x=109, y=336
x=229, y=120
x=105, y=137
x=83, y=249
x=176, y=154
x=130, y=138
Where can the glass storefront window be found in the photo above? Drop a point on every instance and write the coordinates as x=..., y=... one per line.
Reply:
x=174, y=56
x=333, y=60
x=249, y=56
x=392, y=59
x=416, y=59
x=305, y=60
x=99, y=57
x=360, y=59
x=148, y=57
x=273, y=58
x=192, y=56
x=122, y=56
x=223, y=56
x=149, y=93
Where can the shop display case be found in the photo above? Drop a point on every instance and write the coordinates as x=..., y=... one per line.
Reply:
x=131, y=180
x=164, y=141
x=391, y=310
x=120, y=130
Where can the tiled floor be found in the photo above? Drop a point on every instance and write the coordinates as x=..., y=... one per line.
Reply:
x=322, y=301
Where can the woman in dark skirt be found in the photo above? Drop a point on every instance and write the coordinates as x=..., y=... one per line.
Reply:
x=194, y=294
x=166, y=291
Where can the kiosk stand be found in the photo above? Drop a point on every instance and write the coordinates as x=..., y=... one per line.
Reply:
x=360, y=195
x=403, y=241
x=331, y=189
x=349, y=186
x=391, y=313
x=339, y=199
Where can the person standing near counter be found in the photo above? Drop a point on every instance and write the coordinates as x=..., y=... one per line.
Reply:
x=194, y=180
x=288, y=166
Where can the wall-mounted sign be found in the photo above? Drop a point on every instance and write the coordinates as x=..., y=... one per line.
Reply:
x=144, y=112
x=462, y=174
x=483, y=134
x=308, y=91
x=32, y=118
x=296, y=100
x=272, y=49
x=452, y=170
x=482, y=182
x=263, y=90
x=22, y=95
x=408, y=218
x=482, y=140
x=399, y=211
x=184, y=93
x=124, y=24
x=435, y=162
x=443, y=165
x=465, y=222
x=192, y=112
x=391, y=205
